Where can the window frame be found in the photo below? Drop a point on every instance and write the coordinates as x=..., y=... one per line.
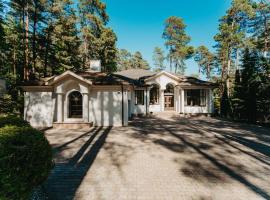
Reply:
x=157, y=93
x=201, y=98
x=142, y=96
x=71, y=106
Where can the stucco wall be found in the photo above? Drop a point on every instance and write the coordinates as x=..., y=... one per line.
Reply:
x=105, y=107
x=38, y=108
x=195, y=109
x=155, y=108
x=138, y=109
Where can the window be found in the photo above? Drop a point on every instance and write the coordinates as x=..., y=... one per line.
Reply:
x=154, y=95
x=195, y=98
x=169, y=89
x=139, y=97
x=75, y=105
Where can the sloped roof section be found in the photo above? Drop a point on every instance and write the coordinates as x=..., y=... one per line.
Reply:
x=136, y=74
x=100, y=78
x=192, y=81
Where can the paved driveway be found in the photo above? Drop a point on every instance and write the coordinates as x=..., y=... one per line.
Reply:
x=163, y=157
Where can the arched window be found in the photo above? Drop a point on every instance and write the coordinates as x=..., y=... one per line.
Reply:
x=154, y=94
x=75, y=105
x=169, y=89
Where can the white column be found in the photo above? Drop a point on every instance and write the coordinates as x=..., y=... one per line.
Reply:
x=59, y=107
x=162, y=100
x=176, y=99
x=179, y=100
x=147, y=100
x=182, y=101
x=85, y=107
x=125, y=107
x=210, y=101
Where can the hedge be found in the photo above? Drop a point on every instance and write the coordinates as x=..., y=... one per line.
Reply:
x=25, y=159
x=12, y=120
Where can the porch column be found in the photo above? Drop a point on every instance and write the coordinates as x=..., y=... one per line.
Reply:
x=147, y=100
x=210, y=101
x=182, y=103
x=125, y=107
x=176, y=99
x=60, y=107
x=85, y=107
x=162, y=100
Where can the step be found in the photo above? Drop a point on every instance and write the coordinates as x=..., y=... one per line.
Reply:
x=72, y=125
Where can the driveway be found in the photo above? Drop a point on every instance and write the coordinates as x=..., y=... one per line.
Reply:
x=162, y=157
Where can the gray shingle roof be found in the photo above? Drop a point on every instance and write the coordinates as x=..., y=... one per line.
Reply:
x=136, y=74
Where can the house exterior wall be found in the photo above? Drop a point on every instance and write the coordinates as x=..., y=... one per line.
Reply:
x=38, y=108
x=109, y=105
x=105, y=107
x=138, y=109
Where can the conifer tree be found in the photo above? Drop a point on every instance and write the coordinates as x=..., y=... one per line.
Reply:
x=238, y=96
x=205, y=60
x=158, y=58
x=176, y=40
x=250, y=84
x=138, y=62
x=123, y=60
x=65, y=40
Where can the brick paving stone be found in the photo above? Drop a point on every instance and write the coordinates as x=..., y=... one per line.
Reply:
x=164, y=157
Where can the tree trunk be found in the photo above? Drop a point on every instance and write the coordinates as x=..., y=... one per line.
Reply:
x=14, y=60
x=26, y=67
x=34, y=38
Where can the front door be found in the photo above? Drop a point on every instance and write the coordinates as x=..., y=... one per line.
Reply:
x=169, y=102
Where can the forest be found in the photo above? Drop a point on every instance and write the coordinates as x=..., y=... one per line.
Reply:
x=42, y=38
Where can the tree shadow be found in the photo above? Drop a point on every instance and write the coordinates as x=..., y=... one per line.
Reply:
x=190, y=139
x=66, y=178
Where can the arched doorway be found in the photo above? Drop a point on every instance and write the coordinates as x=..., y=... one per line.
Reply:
x=75, y=105
x=169, y=97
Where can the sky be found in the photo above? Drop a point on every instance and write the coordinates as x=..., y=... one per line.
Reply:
x=139, y=23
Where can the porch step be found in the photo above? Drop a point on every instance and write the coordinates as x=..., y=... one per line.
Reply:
x=72, y=125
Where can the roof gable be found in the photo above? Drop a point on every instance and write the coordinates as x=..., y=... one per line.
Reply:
x=172, y=76
x=66, y=74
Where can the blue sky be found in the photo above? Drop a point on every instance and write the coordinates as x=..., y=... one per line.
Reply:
x=139, y=23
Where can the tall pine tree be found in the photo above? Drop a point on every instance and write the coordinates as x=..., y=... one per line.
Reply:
x=176, y=40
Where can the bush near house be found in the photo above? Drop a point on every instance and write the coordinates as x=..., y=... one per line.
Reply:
x=12, y=120
x=25, y=158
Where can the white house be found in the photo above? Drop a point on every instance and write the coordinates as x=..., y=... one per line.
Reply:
x=75, y=100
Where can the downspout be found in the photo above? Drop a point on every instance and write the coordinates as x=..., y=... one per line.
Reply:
x=122, y=88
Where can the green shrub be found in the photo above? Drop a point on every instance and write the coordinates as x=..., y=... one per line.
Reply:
x=25, y=161
x=12, y=120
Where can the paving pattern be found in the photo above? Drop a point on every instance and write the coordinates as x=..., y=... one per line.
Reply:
x=162, y=157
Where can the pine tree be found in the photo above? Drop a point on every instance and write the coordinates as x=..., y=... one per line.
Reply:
x=263, y=100
x=231, y=36
x=138, y=62
x=124, y=60
x=108, y=50
x=2, y=35
x=177, y=43
x=65, y=40
x=225, y=103
x=238, y=97
x=205, y=60
x=158, y=58
x=261, y=27
x=98, y=42
x=250, y=84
